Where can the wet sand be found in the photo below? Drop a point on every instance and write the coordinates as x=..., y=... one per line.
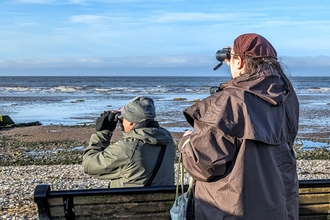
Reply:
x=83, y=133
x=59, y=132
x=18, y=143
x=38, y=138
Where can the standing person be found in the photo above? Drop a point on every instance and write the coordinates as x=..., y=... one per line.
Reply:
x=133, y=160
x=240, y=150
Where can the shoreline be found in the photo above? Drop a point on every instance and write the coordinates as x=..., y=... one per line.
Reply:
x=83, y=132
x=62, y=144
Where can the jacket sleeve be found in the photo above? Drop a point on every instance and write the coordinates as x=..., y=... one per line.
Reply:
x=207, y=152
x=104, y=162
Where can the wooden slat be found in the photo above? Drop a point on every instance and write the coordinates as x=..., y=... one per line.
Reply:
x=57, y=211
x=314, y=209
x=314, y=198
x=108, y=199
x=315, y=217
x=314, y=190
x=56, y=207
x=123, y=208
x=58, y=201
x=160, y=216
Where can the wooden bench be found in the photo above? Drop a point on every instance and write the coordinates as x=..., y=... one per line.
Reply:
x=314, y=199
x=152, y=202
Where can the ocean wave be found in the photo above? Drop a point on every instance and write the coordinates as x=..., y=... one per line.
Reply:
x=319, y=90
x=78, y=90
x=15, y=89
x=102, y=90
x=65, y=89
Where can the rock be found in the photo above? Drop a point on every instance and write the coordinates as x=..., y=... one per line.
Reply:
x=179, y=99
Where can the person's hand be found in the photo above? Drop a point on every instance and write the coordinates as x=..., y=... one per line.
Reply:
x=227, y=61
x=187, y=132
x=183, y=142
x=106, y=121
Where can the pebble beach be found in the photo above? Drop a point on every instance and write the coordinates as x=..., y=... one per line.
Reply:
x=18, y=182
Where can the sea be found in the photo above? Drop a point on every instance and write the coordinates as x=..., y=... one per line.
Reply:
x=79, y=100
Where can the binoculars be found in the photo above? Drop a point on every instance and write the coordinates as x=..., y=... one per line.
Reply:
x=221, y=55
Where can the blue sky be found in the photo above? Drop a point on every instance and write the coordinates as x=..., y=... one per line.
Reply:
x=156, y=37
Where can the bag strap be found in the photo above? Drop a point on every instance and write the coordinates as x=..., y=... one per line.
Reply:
x=180, y=175
x=157, y=166
x=179, y=179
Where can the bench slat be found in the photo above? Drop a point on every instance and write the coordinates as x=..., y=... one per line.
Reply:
x=314, y=198
x=57, y=201
x=314, y=190
x=314, y=217
x=319, y=208
x=152, y=202
x=124, y=208
x=57, y=211
x=109, y=199
x=158, y=216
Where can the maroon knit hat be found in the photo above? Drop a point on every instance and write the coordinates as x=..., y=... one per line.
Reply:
x=254, y=46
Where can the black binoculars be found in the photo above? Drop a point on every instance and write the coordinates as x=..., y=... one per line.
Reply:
x=118, y=116
x=221, y=55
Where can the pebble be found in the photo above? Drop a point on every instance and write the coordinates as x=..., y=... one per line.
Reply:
x=17, y=183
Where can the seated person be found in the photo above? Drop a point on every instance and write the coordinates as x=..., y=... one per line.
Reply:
x=131, y=161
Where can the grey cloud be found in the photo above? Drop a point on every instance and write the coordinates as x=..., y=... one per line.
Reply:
x=86, y=18
x=308, y=61
x=148, y=66
x=36, y=1
x=154, y=61
x=148, y=61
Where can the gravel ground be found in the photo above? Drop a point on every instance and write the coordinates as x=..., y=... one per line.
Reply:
x=17, y=183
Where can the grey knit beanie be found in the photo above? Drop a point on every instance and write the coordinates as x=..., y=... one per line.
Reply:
x=139, y=109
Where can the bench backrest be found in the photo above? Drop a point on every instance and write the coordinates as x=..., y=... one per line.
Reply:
x=123, y=203
x=152, y=202
x=314, y=199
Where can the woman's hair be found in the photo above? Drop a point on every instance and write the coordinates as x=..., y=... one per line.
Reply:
x=256, y=52
x=255, y=63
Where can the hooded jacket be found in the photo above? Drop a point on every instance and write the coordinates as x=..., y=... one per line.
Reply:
x=240, y=151
x=130, y=161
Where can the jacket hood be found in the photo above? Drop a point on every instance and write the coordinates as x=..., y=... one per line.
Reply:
x=254, y=106
x=264, y=82
x=151, y=135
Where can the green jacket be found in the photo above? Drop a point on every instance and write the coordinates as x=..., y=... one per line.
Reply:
x=129, y=161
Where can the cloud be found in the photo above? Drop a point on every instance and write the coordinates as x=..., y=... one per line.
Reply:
x=87, y=18
x=145, y=61
x=90, y=2
x=25, y=24
x=121, y=28
x=78, y=2
x=146, y=65
x=308, y=61
x=169, y=17
x=36, y=1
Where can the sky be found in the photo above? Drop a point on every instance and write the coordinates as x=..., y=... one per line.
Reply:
x=156, y=37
